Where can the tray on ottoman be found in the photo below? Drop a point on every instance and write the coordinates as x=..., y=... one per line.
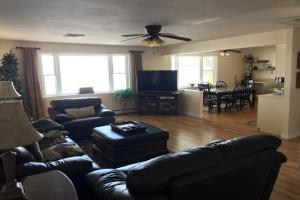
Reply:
x=116, y=149
x=128, y=127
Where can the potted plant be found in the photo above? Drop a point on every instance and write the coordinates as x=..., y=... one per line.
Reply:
x=9, y=70
x=123, y=97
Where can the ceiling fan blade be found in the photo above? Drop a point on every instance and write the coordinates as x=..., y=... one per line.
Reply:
x=132, y=35
x=168, y=34
x=134, y=38
x=175, y=37
x=235, y=51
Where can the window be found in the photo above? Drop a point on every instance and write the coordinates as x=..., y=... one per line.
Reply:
x=64, y=74
x=50, y=85
x=209, y=66
x=194, y=69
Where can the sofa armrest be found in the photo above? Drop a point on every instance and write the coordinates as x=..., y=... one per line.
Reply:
x=58, y=116
x=53, y=113
x=104, y=112
x=70, y=166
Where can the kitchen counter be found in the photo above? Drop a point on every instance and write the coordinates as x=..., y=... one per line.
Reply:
x=269, y=113
x=190, y=102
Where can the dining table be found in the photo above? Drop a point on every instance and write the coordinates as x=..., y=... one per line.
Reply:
x=221, y=92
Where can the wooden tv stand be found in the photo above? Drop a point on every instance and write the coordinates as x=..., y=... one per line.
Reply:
x=157, y=103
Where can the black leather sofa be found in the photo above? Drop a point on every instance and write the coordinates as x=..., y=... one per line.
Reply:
x=80, y=128
x=245, y=168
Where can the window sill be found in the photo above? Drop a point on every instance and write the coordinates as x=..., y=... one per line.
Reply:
x=76, y=95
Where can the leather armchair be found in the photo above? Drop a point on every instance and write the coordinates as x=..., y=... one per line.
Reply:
x=80, y=128
x=243, y=168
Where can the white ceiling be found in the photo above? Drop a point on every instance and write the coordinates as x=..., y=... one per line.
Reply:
x=103, y=21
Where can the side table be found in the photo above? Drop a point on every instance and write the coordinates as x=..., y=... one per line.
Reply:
x=53, y=185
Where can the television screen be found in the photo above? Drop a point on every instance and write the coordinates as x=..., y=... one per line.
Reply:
x=157, y=81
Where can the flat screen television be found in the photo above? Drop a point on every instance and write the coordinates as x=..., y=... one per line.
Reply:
x=157, y=81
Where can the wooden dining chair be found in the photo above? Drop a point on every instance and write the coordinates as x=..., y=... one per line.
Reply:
x=221, y=84
x=209, y=99
x=246, y=97
x=231, y=100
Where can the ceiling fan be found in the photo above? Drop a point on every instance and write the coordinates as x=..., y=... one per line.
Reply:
x=152, y=36
x=227, y=52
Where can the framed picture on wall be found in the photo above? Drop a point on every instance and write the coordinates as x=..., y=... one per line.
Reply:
x=298, y=80
x=298, y=60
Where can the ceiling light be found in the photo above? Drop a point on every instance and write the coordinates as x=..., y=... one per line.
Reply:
x=73, y=35
x=153, y=42
x=222, y=53
x=227, y=53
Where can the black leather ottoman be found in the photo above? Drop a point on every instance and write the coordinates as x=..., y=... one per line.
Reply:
x=115, y=149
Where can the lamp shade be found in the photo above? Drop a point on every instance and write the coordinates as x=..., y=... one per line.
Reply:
x=7, y=90
x=15, y=128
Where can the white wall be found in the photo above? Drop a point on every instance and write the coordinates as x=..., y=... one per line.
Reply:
x=292, y=106
x=229, y=67
x=263, y=53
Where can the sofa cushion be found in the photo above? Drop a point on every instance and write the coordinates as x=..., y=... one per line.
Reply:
x=247, y=145
x=77, y=113
x=153, y=175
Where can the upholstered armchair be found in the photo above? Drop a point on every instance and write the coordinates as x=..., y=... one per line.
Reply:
x=80, y=127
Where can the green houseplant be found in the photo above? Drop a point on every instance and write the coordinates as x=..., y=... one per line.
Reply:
x=123, y=97
x=9, y=70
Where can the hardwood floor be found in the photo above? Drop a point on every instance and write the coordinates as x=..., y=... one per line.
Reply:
x=187, y=132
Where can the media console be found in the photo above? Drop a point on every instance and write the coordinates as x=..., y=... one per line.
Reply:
x=157, y=103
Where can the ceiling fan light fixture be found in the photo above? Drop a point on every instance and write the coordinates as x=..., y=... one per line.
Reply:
x=153, y=42
x=227, y=53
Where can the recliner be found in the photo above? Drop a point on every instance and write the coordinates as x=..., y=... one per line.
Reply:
x=242, y=168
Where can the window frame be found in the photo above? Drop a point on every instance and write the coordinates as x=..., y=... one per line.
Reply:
x=175, y=66
x=215, y=67
x=58, y=73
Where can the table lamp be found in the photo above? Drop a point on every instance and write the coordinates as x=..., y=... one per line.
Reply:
x=8, y=91
x=15, y=130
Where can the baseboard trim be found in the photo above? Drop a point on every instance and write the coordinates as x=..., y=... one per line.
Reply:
x=290, y=135
x=125, y=111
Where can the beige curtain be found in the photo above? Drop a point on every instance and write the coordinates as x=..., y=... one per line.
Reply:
x=32, y=83
x=136, y=65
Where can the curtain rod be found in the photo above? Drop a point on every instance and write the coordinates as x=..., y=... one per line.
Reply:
x=28, y=47
x=137, y=51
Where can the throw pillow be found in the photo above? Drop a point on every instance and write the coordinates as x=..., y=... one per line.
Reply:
x=60, y=151
x=52, y=138
x=45, y=125
x=76, y=113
